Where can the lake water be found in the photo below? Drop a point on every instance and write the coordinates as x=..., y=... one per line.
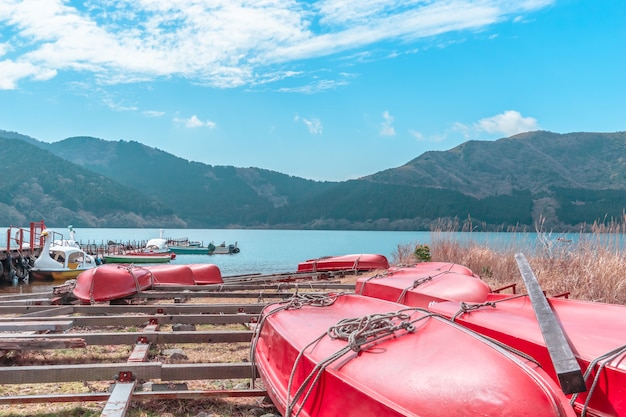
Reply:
x=278, y=251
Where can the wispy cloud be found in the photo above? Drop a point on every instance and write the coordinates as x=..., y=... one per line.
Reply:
x=153, y=113
x=194, y=122
x=386, y=128
x=313, y=124
x=217, y=42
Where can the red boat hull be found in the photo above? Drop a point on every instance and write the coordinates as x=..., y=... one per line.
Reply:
x=111, y=282
x=206, y=274
x=357, y=262
x=419, y=285
x=192, y=274
x=592, y=329
x=438, y=369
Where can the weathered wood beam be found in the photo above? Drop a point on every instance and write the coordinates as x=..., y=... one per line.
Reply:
x=130, y=338
x=30, y=343
x=565, y=364
x=139, y=370
x=55, y=326
x=161, y=308
x=140, y=395
x=135, y=320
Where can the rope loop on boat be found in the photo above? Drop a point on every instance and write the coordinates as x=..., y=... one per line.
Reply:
x=297, y=301
x=359, y=331
x=467, y=307
x=368, y=279
x=415, y=284
x=601, y=361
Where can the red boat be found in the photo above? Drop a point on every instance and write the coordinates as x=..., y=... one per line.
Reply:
x=206, y=274
x=111, y=282
x=390, y=360
x=358, y=262
x=419, y=285
x=171, y=274
x=192, y=274
x=595, y=332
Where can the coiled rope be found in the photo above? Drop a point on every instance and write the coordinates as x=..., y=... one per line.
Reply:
x=357, y=332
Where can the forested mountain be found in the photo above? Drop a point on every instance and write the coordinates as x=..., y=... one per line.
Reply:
x=39, y=185
x=568, y=179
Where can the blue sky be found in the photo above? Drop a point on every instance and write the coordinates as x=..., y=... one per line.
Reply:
x=324, y=90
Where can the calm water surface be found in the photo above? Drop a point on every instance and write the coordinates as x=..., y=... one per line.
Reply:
x=278, y=251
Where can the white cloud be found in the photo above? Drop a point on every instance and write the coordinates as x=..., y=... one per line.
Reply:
x=218, y=42
x=386, y=128
x=509, y=123
x=194, y=122
x=11, y=72
x=314, y=125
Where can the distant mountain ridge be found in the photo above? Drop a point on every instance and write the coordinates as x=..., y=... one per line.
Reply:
x=534, y=161
x=567, y=180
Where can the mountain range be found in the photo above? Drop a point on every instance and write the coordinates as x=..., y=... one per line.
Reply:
x=563, y=181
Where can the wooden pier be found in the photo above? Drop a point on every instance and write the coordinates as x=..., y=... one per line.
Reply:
x=193, y=319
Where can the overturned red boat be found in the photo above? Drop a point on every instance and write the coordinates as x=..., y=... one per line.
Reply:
x=204, y=274
x=349, y=355
x=111, y=282
x=356, y=262
x=192, y=274
x=595, y=332
x=423, y=283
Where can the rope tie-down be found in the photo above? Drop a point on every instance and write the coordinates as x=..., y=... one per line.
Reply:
x=601, y=362
x=297, y=301
x=358, y=333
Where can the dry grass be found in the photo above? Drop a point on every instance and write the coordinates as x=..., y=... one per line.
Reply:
x=589, y=268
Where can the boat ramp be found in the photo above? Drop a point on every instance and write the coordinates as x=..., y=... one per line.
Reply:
x=166, y=343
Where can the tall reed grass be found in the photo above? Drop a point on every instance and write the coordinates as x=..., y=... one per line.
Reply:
x=591, y=267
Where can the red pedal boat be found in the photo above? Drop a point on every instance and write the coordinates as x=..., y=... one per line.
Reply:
x=419, y=285
x=111, y=282
x=357, y=262
x=356, y=356
x=595, y=332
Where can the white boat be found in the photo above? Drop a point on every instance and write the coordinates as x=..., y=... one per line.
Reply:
x=61, y=259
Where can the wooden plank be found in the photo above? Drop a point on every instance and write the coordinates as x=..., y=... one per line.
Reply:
x=139, y=395
x=25, y=296
x=565, y=364
x=261, y=295
x=162, y=308
x=136, y=320
x=187, y=371
x=139, y=353
x=119, y=401
x=51, y=312
x=30, y=343
x=30, y=301
x=140, y=370
x=130, y=338
x=250, y=287
x=39, y=326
